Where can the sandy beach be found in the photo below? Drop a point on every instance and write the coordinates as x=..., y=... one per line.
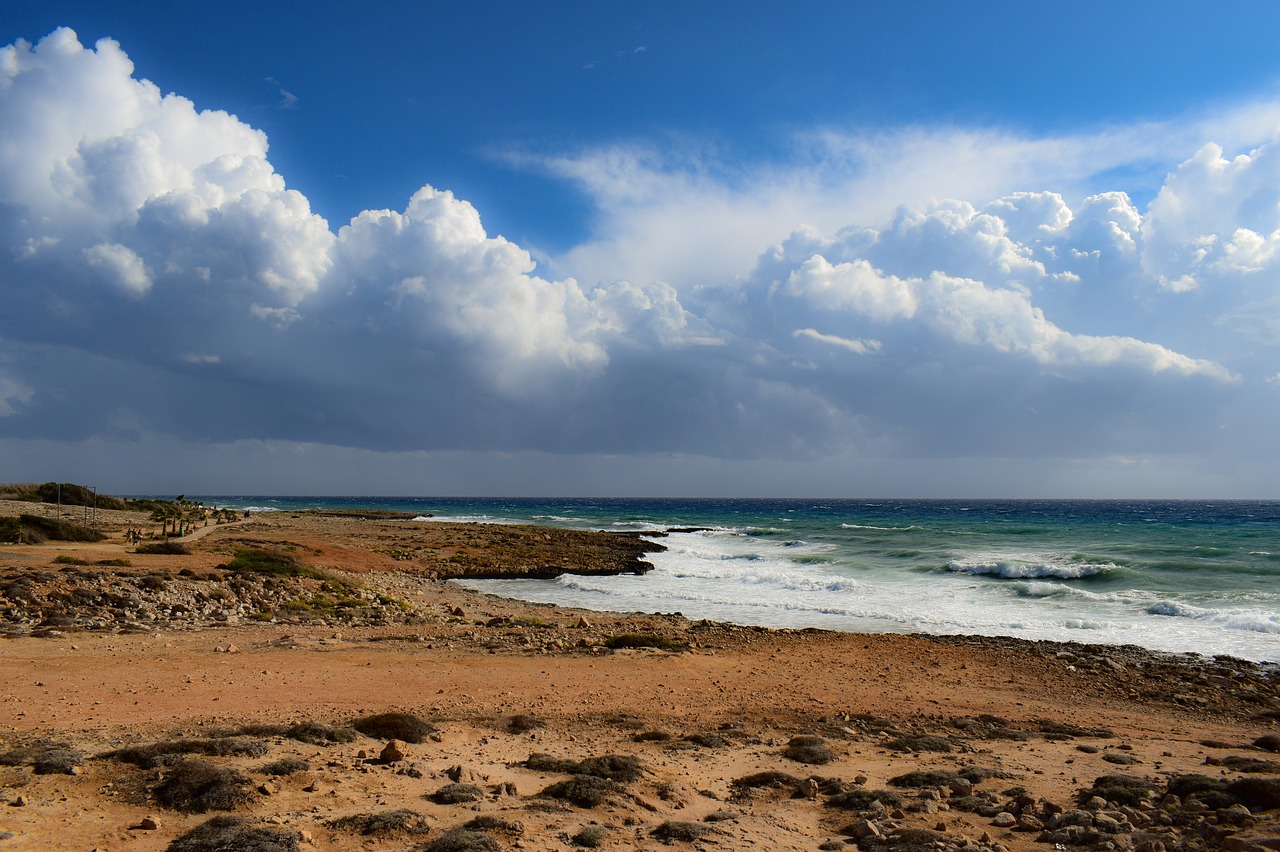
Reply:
x=145, y=695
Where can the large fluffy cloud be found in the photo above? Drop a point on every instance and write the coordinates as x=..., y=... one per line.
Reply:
x=160, y=277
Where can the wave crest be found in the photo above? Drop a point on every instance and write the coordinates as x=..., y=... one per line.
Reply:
x=1028, y=567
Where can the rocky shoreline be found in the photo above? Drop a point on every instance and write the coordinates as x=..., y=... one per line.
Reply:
x=246, y=669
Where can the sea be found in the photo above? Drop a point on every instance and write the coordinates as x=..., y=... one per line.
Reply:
x=1178, y=576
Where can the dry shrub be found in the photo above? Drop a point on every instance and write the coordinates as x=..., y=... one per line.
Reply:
x=808, y=749
x=591, y=836
x=162, y=753
x=523, y=723
x=651, y=737
x=1257, y=794
x=585, y=791
x=457, y=794
x=395, y=726
x=489, y=822
x=928, y=742
x=396, y=823
x=861, y=800
x=285, y=766
x=623, y=768
x=771, y=778
x=196, y=787
x=224, y=833
x=686, y=832
x=1121, y=789
x=463, y=840
x=312, y=733
x=45, y=757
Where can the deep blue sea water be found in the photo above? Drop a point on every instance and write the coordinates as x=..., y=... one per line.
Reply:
x=1200, y=576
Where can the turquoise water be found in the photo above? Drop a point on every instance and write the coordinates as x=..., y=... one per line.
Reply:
x=1200, y=576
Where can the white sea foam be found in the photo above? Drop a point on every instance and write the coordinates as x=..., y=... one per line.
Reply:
x=468, y=519
x=728, y=575
x=1257, y=621
x=877, y=529
x=1027, y=566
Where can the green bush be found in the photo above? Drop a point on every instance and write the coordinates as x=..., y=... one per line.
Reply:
x=33, y=529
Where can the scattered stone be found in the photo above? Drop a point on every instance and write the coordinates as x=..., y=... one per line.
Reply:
x=391, y=752
x=149, y=823
x=1004, y=819
x=1029, y=822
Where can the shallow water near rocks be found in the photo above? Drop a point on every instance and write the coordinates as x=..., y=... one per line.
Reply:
x=1182, y=576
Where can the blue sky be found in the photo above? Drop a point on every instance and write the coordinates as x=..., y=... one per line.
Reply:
x=924, y=249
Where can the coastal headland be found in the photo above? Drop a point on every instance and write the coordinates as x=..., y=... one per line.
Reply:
x=312, y=680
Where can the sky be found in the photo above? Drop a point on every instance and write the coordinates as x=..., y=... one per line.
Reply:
x=617, y=248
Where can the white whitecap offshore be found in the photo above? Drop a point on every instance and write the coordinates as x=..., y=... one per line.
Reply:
x=1027, y=566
